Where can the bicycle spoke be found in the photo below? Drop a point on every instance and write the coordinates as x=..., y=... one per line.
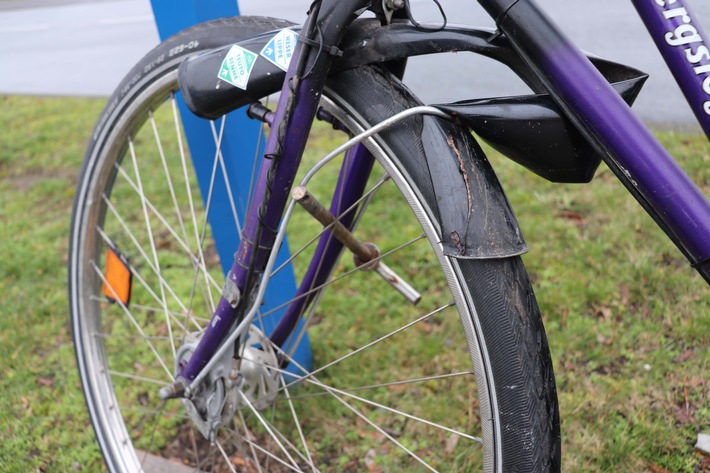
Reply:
x=334, y=393
x=365, y=198
x=246, y=439
x=297, y=423
x=208, y=206
x=193, y=215
x=226, y=457
x=342, y=392
x=166, y=170
x=265, y=424
x=373, y=343
x=135, y=324
x=149, y=232
x=347, y=392
x=341, y=277
x=390, y=384
x=137, y=378
x=145, y=285
x=225, y=177
x=197, y=261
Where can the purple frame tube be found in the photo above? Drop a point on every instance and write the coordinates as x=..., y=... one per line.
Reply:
x=591, y=103
x=298, y=127
x=582, y=92
x=296, y=110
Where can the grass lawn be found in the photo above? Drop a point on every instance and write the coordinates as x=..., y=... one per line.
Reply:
x=627, y=319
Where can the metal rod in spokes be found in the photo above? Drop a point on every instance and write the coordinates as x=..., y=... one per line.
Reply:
x=364, y=200
x=344, y=275
x=365, y=253
x=207, y=364
x=306, y=200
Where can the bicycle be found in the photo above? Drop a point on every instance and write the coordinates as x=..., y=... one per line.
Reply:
x=176, y=362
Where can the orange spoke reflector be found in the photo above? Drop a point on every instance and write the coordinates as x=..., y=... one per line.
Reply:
x=118, y=279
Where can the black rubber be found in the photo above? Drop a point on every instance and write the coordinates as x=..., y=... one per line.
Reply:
x=500, y=291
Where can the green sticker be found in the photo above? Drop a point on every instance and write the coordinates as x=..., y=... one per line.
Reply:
x=237, y=66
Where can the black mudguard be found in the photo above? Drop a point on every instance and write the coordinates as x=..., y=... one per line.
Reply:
x=477, y=219
x=529, y=129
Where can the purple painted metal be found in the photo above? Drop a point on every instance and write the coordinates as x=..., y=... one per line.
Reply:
x=299, y=125
x=350, y=187
x=594, y=106
x=681, y=41
x=305, y=91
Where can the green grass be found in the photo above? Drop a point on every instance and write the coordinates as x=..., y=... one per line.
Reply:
x=628, y=321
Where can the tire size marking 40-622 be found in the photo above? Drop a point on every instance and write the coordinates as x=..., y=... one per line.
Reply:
x=183, y=47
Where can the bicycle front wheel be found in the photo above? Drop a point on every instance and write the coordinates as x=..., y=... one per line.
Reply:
x=461, y=381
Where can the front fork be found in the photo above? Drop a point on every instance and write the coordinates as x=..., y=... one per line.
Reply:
x=294, y=116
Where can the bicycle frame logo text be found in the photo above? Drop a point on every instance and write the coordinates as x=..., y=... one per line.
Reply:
x=687, y=36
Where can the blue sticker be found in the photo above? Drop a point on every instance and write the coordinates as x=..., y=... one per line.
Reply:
x=280, y=48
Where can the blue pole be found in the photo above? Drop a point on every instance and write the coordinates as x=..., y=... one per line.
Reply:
x=239, y=148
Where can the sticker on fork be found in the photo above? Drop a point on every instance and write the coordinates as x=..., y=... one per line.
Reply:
x=279, y=50
x=237, y=66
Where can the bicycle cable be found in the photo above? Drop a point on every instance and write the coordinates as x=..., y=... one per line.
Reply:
x=418, y=25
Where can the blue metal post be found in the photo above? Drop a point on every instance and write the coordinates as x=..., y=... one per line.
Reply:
x=240, y=148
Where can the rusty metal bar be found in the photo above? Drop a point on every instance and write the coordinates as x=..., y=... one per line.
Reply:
x=363, y=252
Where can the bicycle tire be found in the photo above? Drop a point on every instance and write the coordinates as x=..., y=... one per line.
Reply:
x=502, y=330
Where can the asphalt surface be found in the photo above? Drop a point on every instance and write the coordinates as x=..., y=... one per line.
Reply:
x=83, y=47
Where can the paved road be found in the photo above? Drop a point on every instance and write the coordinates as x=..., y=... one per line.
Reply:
x=82, y=47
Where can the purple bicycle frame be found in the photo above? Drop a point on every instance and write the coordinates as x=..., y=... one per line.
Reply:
x=627, y=146
x=292, y=120
x=584, y=95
